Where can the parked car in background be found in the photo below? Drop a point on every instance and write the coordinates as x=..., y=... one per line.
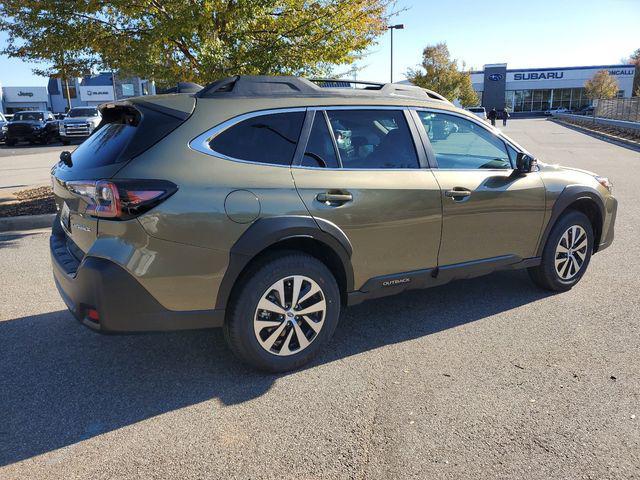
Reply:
x=32, y=126
x=3, y=127
x=478, y=112
x=265, y=205
x=588, y=110
x=79, y=123
x=555, y=111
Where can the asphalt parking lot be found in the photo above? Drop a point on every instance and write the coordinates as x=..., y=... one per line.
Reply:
x=479, y=379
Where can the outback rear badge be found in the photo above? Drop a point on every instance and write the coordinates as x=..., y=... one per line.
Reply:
x=80, y=226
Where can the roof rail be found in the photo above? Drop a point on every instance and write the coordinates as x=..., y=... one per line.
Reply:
x=346, y=83
x=289, y=86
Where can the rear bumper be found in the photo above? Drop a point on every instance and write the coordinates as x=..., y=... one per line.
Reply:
x=122, y=303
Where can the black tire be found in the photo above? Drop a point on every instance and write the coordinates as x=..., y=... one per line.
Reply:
x=545, y=274
x=239, y=325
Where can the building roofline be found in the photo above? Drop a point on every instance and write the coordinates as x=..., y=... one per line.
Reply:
x=544, y=69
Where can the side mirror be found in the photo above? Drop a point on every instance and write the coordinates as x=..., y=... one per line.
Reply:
x=65, y=157
x=525, y=163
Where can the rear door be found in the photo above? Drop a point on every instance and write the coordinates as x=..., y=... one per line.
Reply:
x=489, y=210
x=361, y=171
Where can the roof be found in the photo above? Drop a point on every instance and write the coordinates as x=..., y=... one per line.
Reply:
x=247, y=86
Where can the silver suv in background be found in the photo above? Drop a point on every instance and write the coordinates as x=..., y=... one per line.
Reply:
x=479, y=112
x=79, y=123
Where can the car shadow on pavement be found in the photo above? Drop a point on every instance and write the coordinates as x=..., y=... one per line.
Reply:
x=61, y=383
x=10, y=239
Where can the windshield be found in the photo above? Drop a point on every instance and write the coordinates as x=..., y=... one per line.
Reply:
x=37, y=116
x=83, y=112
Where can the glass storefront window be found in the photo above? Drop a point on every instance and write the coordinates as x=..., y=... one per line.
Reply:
x=527, y=95
x=508, y=99
x=517, y=105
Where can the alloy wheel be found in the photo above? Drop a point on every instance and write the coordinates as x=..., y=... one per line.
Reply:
x=290, y=315
x=571, y=252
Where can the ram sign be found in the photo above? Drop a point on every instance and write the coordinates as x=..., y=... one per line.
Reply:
x=96, y=94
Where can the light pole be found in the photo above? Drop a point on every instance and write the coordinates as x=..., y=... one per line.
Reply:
x=399, y=26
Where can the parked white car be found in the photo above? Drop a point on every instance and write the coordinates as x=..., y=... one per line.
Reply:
x=478, y=112
x=554, y=111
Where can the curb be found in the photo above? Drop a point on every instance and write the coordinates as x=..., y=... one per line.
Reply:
x=622, y=142
x=26, y=222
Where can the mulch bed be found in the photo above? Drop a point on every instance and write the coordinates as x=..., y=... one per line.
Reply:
x=34, y=201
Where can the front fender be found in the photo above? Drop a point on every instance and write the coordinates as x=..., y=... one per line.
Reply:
x=570, y=195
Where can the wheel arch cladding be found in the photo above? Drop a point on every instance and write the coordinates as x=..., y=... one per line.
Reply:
x=582, y=199
x=299, y=233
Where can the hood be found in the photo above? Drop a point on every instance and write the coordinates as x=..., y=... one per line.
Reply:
x=546, y=167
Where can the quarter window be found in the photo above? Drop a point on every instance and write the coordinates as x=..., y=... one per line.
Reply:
x=459, y=143
x=268, y=138
x=373, y=139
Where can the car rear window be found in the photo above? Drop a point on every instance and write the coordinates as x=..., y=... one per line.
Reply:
x=270, y=138
x=104, y=146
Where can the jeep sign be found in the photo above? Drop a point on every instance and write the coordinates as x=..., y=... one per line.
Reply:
x=25, y=94
x=100, y=93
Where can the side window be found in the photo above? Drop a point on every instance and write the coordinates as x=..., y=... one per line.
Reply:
x=320, y=151
x=459, y=143
x=373, y=139
x=265, y=138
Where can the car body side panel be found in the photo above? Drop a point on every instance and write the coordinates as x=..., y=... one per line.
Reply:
x=179, y=276
x=503, y=215
x=393, y=221
x=196, y=214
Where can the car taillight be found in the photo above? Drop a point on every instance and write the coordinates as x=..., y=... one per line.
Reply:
x=121, y=199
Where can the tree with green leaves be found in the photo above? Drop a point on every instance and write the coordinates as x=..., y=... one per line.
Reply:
x=634, y=59
x=601, y=86
x=440, y=73
x=196, y=40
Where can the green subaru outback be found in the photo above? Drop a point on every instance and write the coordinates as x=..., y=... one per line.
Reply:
x=265, y=205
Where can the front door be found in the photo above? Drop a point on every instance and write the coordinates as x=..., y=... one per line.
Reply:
x=489, y=210
x=361, y=171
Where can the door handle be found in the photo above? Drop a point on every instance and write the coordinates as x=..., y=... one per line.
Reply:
x=458, y=193
x=334, y=198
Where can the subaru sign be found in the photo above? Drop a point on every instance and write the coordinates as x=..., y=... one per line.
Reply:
x=496, y=77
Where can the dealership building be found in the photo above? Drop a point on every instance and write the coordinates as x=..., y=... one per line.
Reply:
x=86, y=91
x=539, y=89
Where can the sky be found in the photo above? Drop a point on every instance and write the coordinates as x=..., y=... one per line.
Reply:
x=521, y=33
